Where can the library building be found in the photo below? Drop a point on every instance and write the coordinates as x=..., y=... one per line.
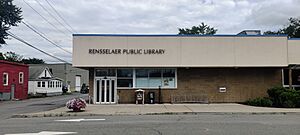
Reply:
x=144, y=68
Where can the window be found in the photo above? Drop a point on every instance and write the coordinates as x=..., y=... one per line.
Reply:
x=105, y=72
x=43, y=84
x=21, y=77
x=45, y=73
x=168, y=78
x=125, y=78
x=5, y=79
x=153, y=78
x=38, y=84
x=141, y=78
x=56, y=83
x=295, y=77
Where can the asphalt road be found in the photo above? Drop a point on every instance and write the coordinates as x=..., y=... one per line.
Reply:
x=158, y=125
x=9, y=108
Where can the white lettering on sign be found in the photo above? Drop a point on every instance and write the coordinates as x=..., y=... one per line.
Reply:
x=127, y=51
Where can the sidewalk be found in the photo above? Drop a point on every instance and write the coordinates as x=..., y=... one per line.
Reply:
x=155, y=109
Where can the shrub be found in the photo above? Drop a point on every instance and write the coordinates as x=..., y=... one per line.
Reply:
x=265, y=102
x=283, y=97
x=76, y=104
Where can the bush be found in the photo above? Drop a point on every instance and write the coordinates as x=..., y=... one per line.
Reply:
x=265, y=102
x=283, y=97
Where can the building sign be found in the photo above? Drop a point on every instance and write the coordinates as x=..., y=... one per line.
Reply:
x=128, y=51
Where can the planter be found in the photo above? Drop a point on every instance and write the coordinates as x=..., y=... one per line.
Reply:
x=76, y=104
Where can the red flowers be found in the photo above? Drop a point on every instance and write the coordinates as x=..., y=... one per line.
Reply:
x=76, y=104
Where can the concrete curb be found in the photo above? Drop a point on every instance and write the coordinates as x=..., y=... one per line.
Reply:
x=164, y=113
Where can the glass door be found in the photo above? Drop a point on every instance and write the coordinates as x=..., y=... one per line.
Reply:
x=105, y=91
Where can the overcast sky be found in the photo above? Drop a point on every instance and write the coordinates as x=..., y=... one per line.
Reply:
x=141, y=17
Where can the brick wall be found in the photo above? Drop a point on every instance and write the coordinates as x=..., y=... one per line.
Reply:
x=241, y=84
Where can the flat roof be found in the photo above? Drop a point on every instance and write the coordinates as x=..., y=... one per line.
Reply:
x=177, y=35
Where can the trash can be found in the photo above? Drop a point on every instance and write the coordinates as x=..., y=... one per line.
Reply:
x=139, y=96
x=151, y=96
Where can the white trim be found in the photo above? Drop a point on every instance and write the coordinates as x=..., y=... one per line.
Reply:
x=21, y=78
x=6, y=83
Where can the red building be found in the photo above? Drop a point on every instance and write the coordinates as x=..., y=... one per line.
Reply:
x=14, y=80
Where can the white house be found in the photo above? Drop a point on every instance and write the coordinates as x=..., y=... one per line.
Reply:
x=42, y=81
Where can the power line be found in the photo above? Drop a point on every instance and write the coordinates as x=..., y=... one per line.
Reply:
x=44, y=18
x=32, y=46
x=53, y=16
x=59, y=15
x=43, y=36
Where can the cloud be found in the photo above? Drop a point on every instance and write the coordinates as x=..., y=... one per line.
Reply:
x=144, y=16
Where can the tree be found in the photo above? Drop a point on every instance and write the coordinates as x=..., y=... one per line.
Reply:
x=10, y=15
x=13, y=57
x=33, y=61
x=292, y=29
x=202, y=29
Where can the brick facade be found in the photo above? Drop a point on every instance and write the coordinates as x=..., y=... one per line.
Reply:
x=241, y=84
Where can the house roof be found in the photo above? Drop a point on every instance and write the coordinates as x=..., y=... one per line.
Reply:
x=35, y=71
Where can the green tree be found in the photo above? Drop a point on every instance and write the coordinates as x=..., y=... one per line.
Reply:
x=10, y=15
x=13, y=57
x=202, y=29
x=292, y=29
x=33, y=61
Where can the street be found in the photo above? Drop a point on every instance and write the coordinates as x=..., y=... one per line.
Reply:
x=9, y=108
x=155, y=125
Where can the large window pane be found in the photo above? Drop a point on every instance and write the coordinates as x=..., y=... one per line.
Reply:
x=154, y=82
x=125, y=83
x=124, y=72
x=168, y=82
x=142, y=82
x=142, y=73
x=105, y=72
x=155, y=73
x=295, y=77
x=168, y=72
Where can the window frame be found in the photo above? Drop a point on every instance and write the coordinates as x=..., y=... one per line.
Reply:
x=21, y=79
x=134, y=78
x=283, y=80
x=6, y=79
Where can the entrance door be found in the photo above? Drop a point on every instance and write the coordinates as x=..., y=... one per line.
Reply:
x=105, y=91
x=12, y=91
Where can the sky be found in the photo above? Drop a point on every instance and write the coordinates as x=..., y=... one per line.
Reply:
x=138, y=17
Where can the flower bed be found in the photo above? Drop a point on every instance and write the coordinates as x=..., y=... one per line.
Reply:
x=76, y=104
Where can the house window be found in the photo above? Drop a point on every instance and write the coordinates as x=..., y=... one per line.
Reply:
x=5, y=79
x=38, y=84
x=21, y=77
x=125, y=78
x=43, y=84
x=56, y=83
x=45, y=73
x=49, y=84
